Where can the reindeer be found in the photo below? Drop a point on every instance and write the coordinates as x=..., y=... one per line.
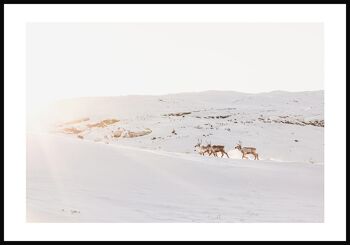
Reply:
x=247, y=150
x=202, y=149
x=218, y=148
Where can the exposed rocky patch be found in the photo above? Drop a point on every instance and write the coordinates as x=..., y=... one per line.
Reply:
x=71, y=130
x=73, y=122
x=292, y=120
x=178, y=114
x=217, y=117
x=103, y=124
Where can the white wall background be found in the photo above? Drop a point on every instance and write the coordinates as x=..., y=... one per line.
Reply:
x=16, y=20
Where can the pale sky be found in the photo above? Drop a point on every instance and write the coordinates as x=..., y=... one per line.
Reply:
x=67, y=60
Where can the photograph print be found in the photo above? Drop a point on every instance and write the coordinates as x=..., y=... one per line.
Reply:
x=175, y=122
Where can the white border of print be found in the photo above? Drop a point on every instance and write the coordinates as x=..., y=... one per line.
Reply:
x=16, y=18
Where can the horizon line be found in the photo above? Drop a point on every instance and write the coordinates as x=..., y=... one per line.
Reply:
x=187, y=92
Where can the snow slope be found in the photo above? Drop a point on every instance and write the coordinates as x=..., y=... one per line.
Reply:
x=69, y=180
x=77, y=172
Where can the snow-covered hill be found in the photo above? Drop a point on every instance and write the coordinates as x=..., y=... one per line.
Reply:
x=132, y=159
x=308, y=104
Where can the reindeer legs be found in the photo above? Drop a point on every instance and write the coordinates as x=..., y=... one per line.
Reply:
x=212, y=152
x=227, y=155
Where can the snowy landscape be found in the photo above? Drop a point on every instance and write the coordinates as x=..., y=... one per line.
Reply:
x=132, y=159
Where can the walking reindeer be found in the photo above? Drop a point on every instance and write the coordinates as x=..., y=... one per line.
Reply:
x=219, y=148
x=202, y=149
x=247, y=150
x=210, y=149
